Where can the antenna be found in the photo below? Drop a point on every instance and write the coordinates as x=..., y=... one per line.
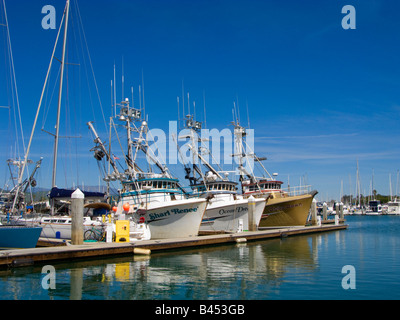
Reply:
x=237, y=110
x=188, y=102
x=112, y=98
x=140, y=98
x=144, y=104
x=204, y=102
x=115, y=98
x=177, y=100
x=194, y=110
x=248, y=118
x=235, y=116
x=133, y=103
x=123, y=79
x=183, y=103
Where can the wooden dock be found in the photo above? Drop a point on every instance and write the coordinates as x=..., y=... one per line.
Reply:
x=62, y=251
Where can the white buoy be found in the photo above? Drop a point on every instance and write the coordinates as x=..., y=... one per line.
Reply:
x=141, y=251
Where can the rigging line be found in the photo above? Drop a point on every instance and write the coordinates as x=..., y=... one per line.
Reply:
x=49, y=101
x=40, y=101
x=14, y=85
x=13, y=74
x=119, y=141
x=91, y=66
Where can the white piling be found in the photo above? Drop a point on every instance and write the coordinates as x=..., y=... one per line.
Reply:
x=77, y=201
x=251, y=214
x=314, y=212
x=109, y=230
x=341, y=216
x=324, y=211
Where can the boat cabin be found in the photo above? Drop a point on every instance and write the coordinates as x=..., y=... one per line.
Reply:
x=152, y=185
x=375, y=206
x=215, y=187
x=261, y=186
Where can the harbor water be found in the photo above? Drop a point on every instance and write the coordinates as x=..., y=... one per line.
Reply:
x=301, y=267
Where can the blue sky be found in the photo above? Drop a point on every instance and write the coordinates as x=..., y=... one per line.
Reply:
x=319, y=97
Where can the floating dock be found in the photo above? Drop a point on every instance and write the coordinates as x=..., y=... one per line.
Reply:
x=64, y=251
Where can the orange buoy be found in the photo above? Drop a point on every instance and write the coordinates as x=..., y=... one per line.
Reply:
x=114, y=209
x=126, y=206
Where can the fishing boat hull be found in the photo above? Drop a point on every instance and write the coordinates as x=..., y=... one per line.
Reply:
x=229, y=216
x=283, y=211
x=173, y=219
x=19, y=237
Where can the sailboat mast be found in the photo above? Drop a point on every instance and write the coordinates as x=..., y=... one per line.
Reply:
x=59, y=97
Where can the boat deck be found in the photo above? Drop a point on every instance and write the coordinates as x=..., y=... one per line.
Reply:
x=63, y=251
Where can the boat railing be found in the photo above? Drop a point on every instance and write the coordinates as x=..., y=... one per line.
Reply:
x=297, y=190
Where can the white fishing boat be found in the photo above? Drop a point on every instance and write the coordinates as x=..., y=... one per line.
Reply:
x=156, y=198
x=226, y=210
x=163, y=205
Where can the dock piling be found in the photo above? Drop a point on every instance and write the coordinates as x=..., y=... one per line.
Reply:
x=324, y=212
x=251, y=214
x=341, y=213
x=314, y=212
x=77, y=200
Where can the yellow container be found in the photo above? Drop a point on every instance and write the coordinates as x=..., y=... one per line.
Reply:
x=122, y=231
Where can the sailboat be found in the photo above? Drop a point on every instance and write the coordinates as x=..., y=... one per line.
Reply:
x=14, y=235
x=156, y=200
x=283, y=207
x=226, y=210
x=374, y=205
x=393, y=206
x=59, y=227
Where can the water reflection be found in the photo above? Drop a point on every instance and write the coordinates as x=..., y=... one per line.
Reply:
x=301, y=267
x=245, y=271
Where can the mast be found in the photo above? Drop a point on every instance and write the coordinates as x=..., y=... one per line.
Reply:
x=358, y=186
x=56, y=138
x=38, y=110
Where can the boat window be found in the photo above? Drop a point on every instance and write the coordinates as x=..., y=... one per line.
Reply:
x=164, y=184
x=159, y=184
x=169, y=185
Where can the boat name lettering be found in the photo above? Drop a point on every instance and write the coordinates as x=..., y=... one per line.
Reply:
x=236, y=210
x=154, y=216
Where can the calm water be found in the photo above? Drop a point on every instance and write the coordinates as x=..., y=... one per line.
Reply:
x=302, y=267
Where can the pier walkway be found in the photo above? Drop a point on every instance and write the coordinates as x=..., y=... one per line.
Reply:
x=46, y=255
